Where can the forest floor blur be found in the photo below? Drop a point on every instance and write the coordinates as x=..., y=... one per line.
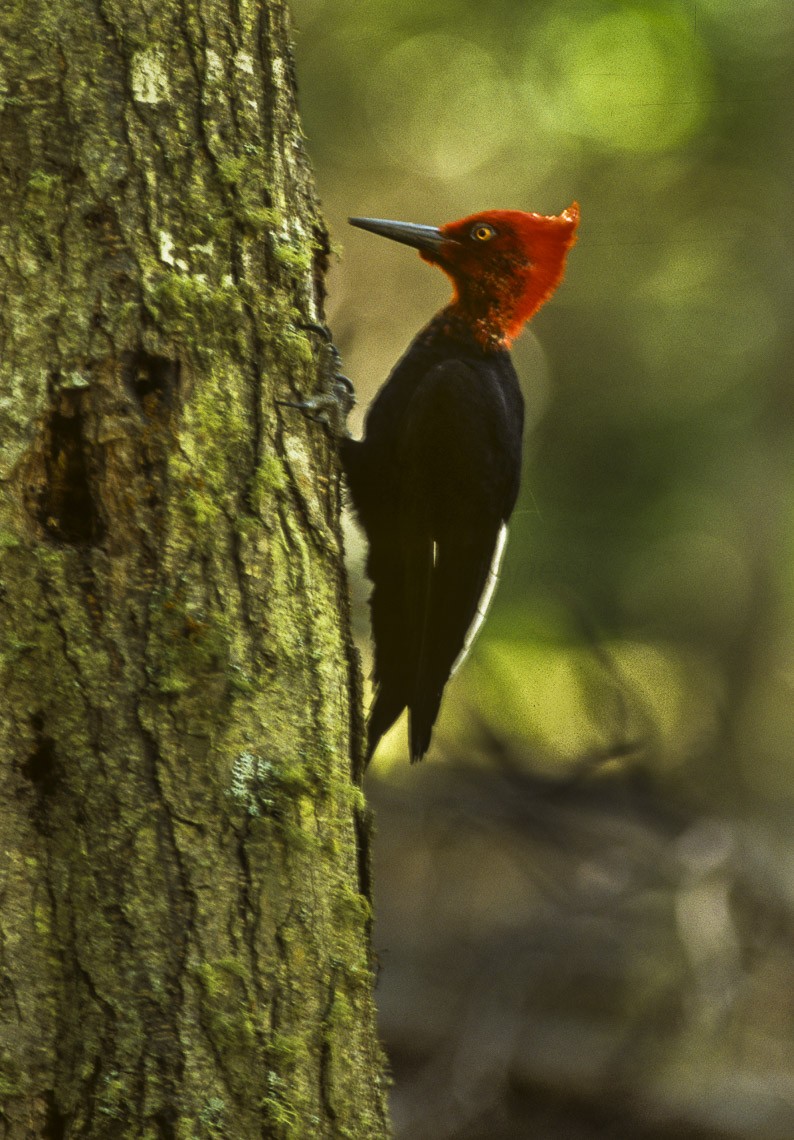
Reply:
x=577, y=957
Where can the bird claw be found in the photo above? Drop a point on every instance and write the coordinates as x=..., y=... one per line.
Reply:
x=331, y=407
x=336, y=396
x=321, y=330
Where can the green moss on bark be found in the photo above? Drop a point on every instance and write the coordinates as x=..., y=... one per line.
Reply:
x=183, y=938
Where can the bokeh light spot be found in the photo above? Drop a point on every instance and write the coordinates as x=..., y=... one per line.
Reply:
x=632, y=81
x=460, y=110
x=702, y=304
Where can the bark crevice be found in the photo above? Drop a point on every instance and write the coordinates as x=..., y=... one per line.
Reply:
x=179, y=698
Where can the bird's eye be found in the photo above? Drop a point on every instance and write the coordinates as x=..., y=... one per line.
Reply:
x=483, y=232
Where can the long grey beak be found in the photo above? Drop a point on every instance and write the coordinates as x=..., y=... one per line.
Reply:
x=420, y=237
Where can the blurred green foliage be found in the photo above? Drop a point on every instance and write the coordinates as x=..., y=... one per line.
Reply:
x=647, y=592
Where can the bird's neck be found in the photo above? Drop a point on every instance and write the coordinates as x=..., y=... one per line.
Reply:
x=454, y=324
x=490, y=323
x=496, y=308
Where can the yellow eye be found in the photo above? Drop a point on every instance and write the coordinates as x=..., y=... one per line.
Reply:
x=483, y=233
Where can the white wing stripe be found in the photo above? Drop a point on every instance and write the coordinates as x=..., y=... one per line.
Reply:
x=485, y=599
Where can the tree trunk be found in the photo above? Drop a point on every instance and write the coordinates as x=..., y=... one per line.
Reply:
x=184, y=938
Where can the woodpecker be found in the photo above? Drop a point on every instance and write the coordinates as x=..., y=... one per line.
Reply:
x=435, y=478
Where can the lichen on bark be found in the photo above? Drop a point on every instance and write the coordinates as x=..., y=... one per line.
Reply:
x=184, y=932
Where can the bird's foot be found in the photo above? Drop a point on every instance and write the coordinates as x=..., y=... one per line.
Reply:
x=336, y=395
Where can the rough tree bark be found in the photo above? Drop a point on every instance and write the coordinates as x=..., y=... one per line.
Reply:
x=184, y=937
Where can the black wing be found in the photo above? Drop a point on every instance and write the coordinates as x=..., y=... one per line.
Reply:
x=459, y=461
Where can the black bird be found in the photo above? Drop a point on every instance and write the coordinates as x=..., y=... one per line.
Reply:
x=436, y=476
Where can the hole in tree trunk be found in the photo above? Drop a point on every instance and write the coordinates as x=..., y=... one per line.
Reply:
x=65, y=504
x=153, y=379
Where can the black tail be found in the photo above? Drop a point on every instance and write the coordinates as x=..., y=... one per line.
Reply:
x=421, y=718
x=384, y=712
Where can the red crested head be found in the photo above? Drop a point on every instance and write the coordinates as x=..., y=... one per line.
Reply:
x=504, y=264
